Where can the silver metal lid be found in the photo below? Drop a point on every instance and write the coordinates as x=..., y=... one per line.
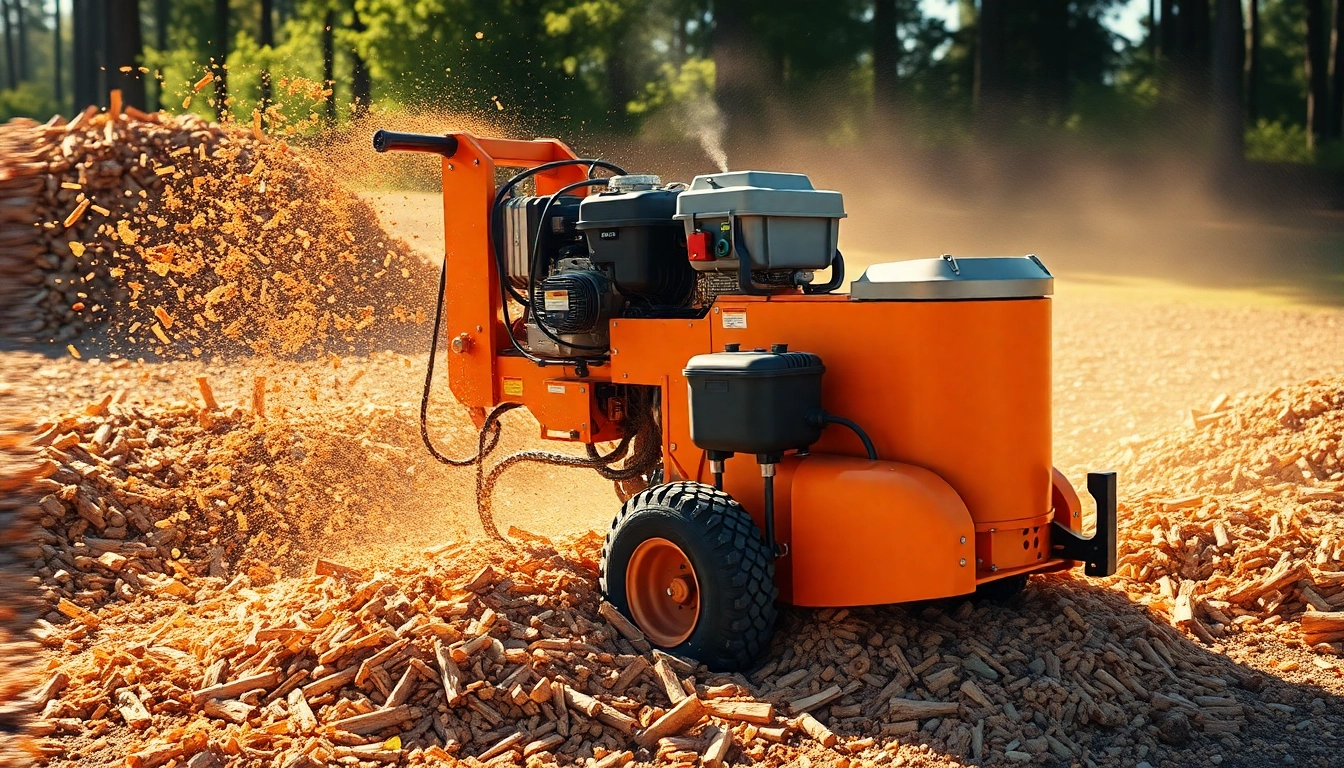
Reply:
x=633, y=182
x=948, y=279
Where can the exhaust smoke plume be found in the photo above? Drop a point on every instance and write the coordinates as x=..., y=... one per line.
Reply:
x=702, y=120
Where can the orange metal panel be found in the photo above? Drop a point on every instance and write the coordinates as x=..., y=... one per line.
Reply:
x=959, y=388
x=565, y=409
x=472, y=296
x=654, y=352
x=1064, y=499
x=875, y=532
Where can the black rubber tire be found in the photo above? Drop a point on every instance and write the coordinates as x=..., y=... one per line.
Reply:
x=1001, y=591
x=733, y=566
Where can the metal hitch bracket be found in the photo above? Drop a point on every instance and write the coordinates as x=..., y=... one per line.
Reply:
x=1097, y=553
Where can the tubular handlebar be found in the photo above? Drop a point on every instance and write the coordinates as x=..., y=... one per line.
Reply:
x=384, y=141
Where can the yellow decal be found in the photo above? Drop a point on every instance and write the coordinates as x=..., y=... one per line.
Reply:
x=513, y=387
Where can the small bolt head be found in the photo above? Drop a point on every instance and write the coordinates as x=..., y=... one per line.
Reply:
x=673, y=446
x=479, y=329
x=716, y=310
x=476, y=161
x=963, y=562
x=993, y=568
x=963, y=541
x=583, y=390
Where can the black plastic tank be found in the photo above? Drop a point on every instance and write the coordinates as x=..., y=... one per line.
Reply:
x=631, y=232
x=754, y=402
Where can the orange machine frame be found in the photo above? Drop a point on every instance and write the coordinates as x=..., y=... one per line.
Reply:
x=957, y=403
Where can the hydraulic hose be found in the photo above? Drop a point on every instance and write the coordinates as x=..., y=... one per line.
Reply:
x=820, y=418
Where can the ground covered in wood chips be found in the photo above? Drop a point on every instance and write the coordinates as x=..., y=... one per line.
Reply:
x=249, y=560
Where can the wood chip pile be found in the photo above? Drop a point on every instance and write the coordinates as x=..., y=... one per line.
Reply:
x=1241, y=528
x=511, y=658
x=142, y=498
x=183, y=237
x=19, y=467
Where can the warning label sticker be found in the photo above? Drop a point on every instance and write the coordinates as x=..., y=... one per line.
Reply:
x=557, y=301
x=734, y=319
x=556, y=389
x=513, y=387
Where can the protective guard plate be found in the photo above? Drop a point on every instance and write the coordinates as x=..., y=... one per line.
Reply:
x=951, y=279
x=1098, y=554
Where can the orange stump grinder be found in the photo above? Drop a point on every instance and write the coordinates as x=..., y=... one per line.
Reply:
x=683, y=324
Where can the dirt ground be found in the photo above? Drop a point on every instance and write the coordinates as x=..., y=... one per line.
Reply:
x=1132, y=358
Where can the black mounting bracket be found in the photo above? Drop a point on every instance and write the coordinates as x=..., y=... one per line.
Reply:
x=1097, y=553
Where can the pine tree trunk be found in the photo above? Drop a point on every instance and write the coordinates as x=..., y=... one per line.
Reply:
x=1254, y=64
x=21, y=33
x=1318, y=88
x=1229, y=45
x=84, y=63
x=57, y=56
x=11, y=60
x=125, y=44
x=267, y=40
x=361, y=87
x=885, y=55
x=221, y=58
x=329, y=63
x=1337, y=85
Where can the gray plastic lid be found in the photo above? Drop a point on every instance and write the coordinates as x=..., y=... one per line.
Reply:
x=758, y=193
x=948, y=278
x=753, y=363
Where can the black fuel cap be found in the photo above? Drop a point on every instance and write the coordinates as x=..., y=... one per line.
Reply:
x=779, y=349
x=734, y=347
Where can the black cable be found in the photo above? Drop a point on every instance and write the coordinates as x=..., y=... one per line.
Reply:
x=641, y=428
x=496, y=225
x=857, y=430
x=491, y=420
x=532, y=266
x=501, y=268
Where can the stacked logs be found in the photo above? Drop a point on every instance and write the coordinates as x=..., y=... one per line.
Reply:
x=181, y=237
x=20, y=468
x=510, y=657
x=1245, y=530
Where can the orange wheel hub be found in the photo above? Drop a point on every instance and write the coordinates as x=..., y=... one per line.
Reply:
x=662, y=591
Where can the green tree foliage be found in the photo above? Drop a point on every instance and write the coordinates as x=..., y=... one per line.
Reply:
x=655, y=67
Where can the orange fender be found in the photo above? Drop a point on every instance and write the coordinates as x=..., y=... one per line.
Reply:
x=875, y=532
x=1064, y=499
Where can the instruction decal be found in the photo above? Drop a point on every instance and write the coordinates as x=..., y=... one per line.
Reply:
x=733, y=318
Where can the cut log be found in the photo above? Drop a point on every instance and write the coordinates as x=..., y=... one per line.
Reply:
x=910, y=709
x=819, y=733
x=264, y=680
x=452, y=676
x=133, y=710
x=808, y=703
x=305, y=721
x=720, y=741
x=623, y=625
x=685, y=714
x=759, y=712
x=377, y=720
x=669, y=680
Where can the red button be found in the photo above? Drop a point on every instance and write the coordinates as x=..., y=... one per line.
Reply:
x=697, y=247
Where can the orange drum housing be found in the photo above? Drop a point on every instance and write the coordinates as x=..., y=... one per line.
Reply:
x=943, y=363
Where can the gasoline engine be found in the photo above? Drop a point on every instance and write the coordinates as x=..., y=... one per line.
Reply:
x=578, y=262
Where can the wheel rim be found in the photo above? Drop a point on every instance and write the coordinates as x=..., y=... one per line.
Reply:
x=663, y=592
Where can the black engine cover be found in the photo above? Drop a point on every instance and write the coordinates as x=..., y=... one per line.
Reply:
x=572, y=302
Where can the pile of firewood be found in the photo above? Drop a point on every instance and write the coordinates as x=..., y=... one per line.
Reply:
x=19, y=468
x=511, y=657
x=144, y=497
x=184, y=237
x=1249, y=533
